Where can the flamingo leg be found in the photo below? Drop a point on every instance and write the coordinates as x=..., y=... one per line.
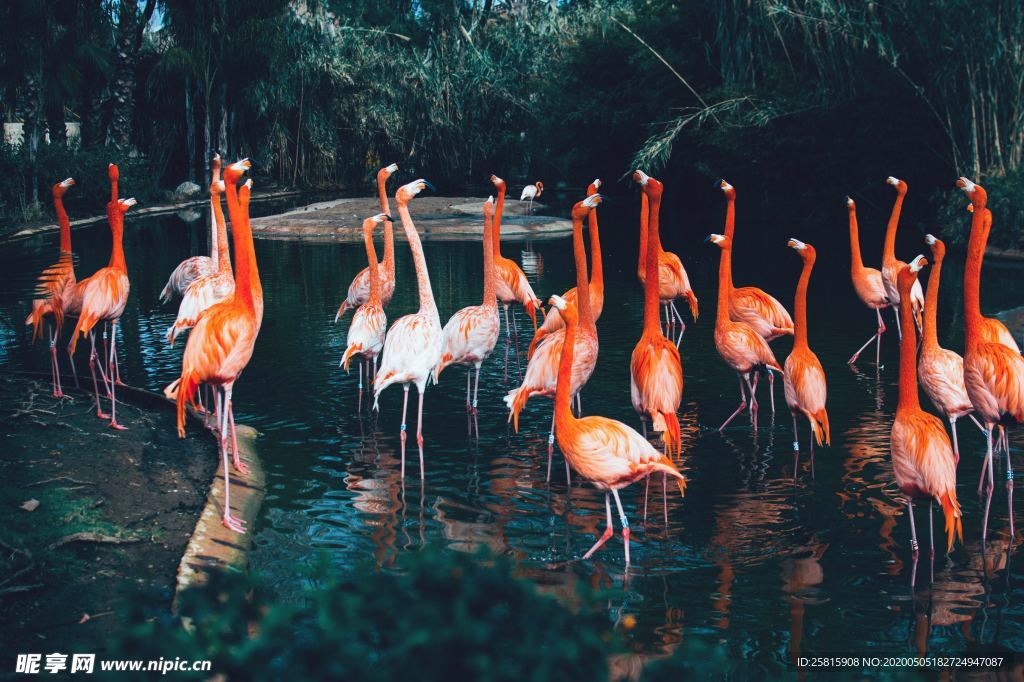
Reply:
x=229, y=520
x=508, y=333
x=742, y=406
x=647, y=487
x=1009, y=481
x=752, y=387
x=469, y=376
x=405, y=405
x=988, y=462
x=876, y=337
x=236, y=458
x=796, y=437
x=57, y=391
x=74, y=370
x=913, y=530
x=956, y=446
x=92, y=369
x=476, y=388
x=551, y=445
x=112, y=362
x=771, y=389
x=664, y=495
x=625, y=523
x=896, y=314
x=675, y=312
x=931, y=542
x=113, y=346
x=419, y=428
x=607, y=529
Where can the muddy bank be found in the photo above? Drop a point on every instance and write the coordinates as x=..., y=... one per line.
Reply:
x=115, y=512
x=436, y=218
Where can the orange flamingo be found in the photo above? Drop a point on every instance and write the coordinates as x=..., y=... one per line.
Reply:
x=868, y=284
x=761, y=311
x=531, y=192
x=369, y=323
x=359, y=289
x=552, y=320
x=104, y=296
x=57, y=285
x=656, y=372
x=541, y=376
x=206, y=290
x=191, y=269
x=993, y=374
x=471, y=333
x=511, y=285
x=606, y=452
x=993, y=330
x=738, y=343
x=941, y=371
x=413, y=345
x=803, y=377
x=673, y=282
x=922, y=458
x=890, y=265
x=222, y=342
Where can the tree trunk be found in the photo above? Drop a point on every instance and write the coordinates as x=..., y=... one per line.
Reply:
x=119, y=131
x=222, y=128
x=190, y=132
x=33, y=127
x=298, y=133
x=55, y=123
x=207, y=152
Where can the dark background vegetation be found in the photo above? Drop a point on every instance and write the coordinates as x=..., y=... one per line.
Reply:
x=818, y=99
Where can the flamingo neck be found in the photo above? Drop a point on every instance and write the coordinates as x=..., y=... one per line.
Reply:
x=730, y=228
x=980, y=227
x=800, y=306
x=563, y=390
x=856, y=262
x=371, y=255
x=652, y=309
x=641, y=267
x=930, y=335
x=490, y=298
x=724, y=286
x=220, y=244
x=427, y=304
x=116, y=219
x=498, y=208
x=586, y=312
x=65, y=224
x=596, y=261
x=389, y=230
x=246, y=275
x=889, y=249
x=908, y=357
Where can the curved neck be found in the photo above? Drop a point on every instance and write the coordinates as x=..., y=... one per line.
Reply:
x=889, y=249
x=371, y=255
x=65, y=224
x=652, y=309
x=586, y=312
x=908, y=356
x=422, y=277
x=498, y=208
x=563, y=389
x=220, y=244
x=246, y=275
x=116, y=220
x=641, y=266
x=730, y=227
x=800, y=306
x=856, y=262
x=490, y=298
x=596, y=262
x=930, y=336
x=724, y=286
x=980, y=227
x=389, y=229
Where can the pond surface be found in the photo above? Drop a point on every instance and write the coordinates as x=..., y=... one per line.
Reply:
x=768, y=560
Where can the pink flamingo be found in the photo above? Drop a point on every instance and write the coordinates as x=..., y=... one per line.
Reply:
x=511, y=285
x=359, y=289
x=868, y=284
x=890, y=265
x=413, y=345
x=191, y=269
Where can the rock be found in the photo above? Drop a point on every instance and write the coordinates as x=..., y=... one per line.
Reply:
x=187, y=191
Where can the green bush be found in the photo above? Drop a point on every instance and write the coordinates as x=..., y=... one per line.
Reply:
x=1005, y=200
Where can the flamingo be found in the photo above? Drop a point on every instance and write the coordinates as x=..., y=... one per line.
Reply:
x=761, y=311
x=993, y=374
x=922, y=458
x=511, y=285
x=57, y=284
x=993, y=330
x=531, y=192
x=206, y=290
x=941, y=371
x=369, y=323
x=104, y=296
x=471, y=334
x=803, y=377
x=738, y=343
x=413, y=345
x=868, y=284
x=552, y=320
x=191, y=269
x=890, y=265
x=222, y=342
x=541, y=376
x=673, y=282
x=359, y=289
x=604, y=451
x=656, y=372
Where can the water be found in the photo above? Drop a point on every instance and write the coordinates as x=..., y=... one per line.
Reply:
x=769, y=564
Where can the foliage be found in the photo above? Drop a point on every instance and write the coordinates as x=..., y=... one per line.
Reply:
x=1005, y=200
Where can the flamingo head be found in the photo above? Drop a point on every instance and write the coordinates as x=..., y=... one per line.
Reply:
x=937, y=247
x=124, y=204
x=380, y=218
x=970, y=208
x=63, y=186
x=235, y=171
x=721, y=240
x=648, y=185
x=806, y=251
x=489, y=209
x=498, y=183
x=386, y=172
x=112, y=172
x=593, y=187
x=908, y=275
x=217, y=187
x=583, y=208
x=901, y=186
x=728, y=190
x=407, y=192
x=919, y=262
x=568, y=313
x=976, y=193
x=850, y=203
x=540, y=187
x=640, y=177
x=244, y=193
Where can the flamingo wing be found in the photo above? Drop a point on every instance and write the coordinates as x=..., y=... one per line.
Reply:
x=941, y=373
x=656, y=376
x=200, y=295
x=994, y=331
x=220, y=345
x=804, y=381
x=994, y=377
x=870, y=288
x=761, y=311
x=412, y=349
x=611, y=454
x=185, y=273
x=366, y=333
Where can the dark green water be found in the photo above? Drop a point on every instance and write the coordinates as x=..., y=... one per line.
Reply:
x=767, y=563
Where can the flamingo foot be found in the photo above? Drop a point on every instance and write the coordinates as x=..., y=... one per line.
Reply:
x=240, y=466
x=625, y=542
x=119, y=427
x=232, y=522
x=603, y=539
x=101, y=415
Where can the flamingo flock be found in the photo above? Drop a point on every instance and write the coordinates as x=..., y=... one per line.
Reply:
x=222, y=311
